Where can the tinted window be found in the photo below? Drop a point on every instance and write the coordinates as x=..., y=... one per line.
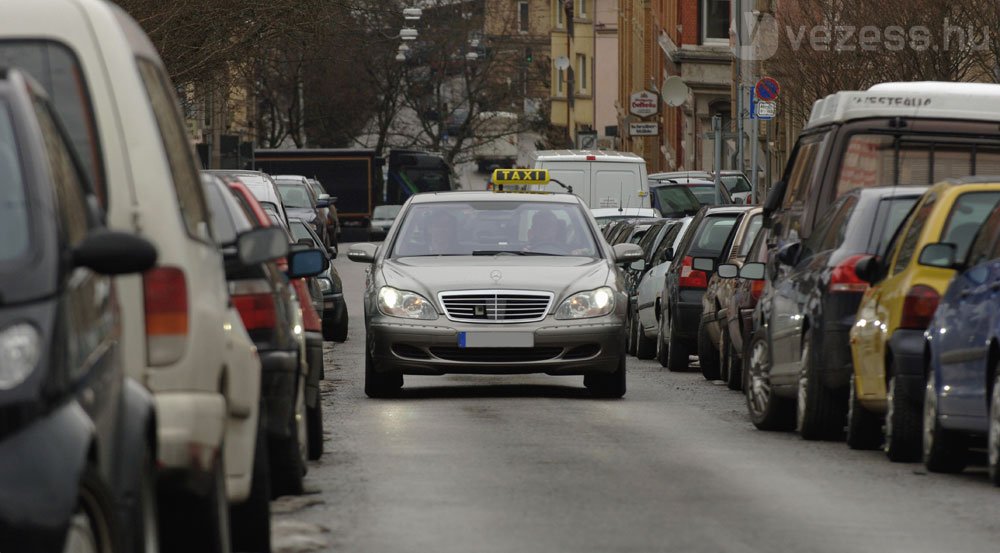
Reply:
x=891, y=213
x=736, y=184
x=58, y=71
x=14, y=205
x=667, y=242
x=649, y=237
x=753, y=227
x=982, y=249
x=299, y=231
x=677, y=200
x=908, y=240
x=176, y=146
x=712, y=235
x=223, y=227
x=294, y=195
x=705, y=194
x=966, y=217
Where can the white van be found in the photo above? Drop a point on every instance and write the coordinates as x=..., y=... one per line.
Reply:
x=112, y=92
x=601, y=179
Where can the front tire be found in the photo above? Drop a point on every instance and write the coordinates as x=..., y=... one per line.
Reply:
x=199, y=523
x=608, y=386
x=379, y=385
x=943, y=450
x=767, y=411
x=288, y=464
x=863, y=429
x=645, y=348
x=250, y=522
x=902, y=422
x=708, y=355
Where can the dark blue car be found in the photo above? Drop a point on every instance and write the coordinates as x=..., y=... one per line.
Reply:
x=962, y=399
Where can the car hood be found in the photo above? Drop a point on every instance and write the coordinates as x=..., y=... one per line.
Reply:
x=562, y=276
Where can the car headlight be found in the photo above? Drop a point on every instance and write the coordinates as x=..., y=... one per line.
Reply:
x=325, y=285
x=406, y=305
x=20, y=350
x=584, y=305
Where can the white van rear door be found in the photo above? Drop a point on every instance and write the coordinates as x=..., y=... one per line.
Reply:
x=574, y=174
x=616, y=185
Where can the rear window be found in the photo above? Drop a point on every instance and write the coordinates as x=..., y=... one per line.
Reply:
x=712, y=235
x=705, y=194
x=736, y=184
x=295, y=195
x=677, y=201
x=58, y=71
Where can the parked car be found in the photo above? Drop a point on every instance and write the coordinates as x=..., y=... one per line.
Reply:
x=635, y=270
x=675, y=202
x=703, y=190
x=605, y=216
x=272, y=310
x=736, y=183
x=649, y=292
x=334, y=314
x=685, y=283
x=301, y=202
x=807, y=315
x=263, y=188
x=79, y=436
x=962, y=391
x=739, y=295
x=111, y=90
x=887, y=342
x=382, y=219
x=601, y=178
x=712, y=327
x=328, y=213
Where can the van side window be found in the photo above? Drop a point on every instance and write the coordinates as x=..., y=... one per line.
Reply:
x=908, y=241
x=58, y=71
x=802, y=171
x=177, y=148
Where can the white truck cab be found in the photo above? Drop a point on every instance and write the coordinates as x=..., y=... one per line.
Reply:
x=602, y=179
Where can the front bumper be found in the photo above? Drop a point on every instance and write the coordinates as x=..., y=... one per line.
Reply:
x=560, y=347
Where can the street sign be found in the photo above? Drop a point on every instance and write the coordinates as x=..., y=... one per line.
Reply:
x=766, y=110
x=586, y=140
x=644, y=129
x=767, y=89
x=643, y=104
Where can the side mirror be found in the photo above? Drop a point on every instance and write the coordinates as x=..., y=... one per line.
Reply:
x=306, y=263
x=322, y=203
x=627, y=253
x=362, y=253
x=638, y=266
x=669, y=254
x=789, y=254
x=706, y=264
x=728, y=271
x=110, y=252
x=939, y=255
x=869, y=269
x=333, y=200
x=261, y=244
x=753, y=271
x=323, y=197
x=332, y=250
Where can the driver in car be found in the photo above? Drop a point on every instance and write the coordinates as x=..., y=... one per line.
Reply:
x=547, y=233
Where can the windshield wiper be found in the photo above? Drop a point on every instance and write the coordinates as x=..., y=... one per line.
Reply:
x=509, y=252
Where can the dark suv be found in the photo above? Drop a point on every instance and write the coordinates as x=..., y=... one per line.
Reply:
x=77, y=437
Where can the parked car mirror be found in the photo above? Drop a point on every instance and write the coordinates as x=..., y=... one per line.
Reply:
x=627, y=253
x=728, y=271
x=362, y=253
x=306, y=263
x=333, y=251
x=789, y=254
x=668, y=255
x=773, y=201
x=638, y=266
x=869, y=269
x=261, y=244
x=940, y=255
x=753, y=271
x=706, y=264
x=110, y=252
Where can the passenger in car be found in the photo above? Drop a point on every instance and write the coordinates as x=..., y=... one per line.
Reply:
x=546, y=233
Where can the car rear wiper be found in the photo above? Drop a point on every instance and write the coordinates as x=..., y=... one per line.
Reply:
x=509, y=252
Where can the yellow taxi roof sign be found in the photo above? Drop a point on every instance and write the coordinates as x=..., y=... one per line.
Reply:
x=535, y=177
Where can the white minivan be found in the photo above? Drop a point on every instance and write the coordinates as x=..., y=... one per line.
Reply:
x=111, y=90
x=602, y=179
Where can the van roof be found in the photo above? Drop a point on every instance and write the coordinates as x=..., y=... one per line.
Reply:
x=582, y=155
x=926, y=100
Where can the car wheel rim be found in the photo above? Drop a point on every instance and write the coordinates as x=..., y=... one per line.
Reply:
x=930, y=417
x=890, y=399
x=759, y=389
x=994, y=439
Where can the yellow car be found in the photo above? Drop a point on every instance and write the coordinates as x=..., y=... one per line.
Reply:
x=887, y=341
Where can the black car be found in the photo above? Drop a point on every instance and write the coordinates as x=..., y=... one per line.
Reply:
x=673, y=201
x=302, y=203
x=807, y=315
x=711, y=237
x=77, y=437
x=703, y=191
x=334, y=313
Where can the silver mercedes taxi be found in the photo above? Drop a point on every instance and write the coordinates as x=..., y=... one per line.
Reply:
x=495, y=283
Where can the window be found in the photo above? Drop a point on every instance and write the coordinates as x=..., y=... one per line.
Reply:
x=666, y=243
x=581, y=9
x=223, y=226
x=712, y=235
x=560, y=14
x=523, y=20
x=965, y=219
x=753, y=227
x=559, y=81
x=911, y=236
x=581, y=64
x=15, y=225
x=802, y=171
x=983, y=249
x=889, y=216
x=177, y=148
x=66, y=181
x=714, y=20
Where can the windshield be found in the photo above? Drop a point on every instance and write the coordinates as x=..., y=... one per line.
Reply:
x=736, y=184
x=676, y=201
x=386, y=211
x=494, y=228
x=13, y=197
x=295, y=195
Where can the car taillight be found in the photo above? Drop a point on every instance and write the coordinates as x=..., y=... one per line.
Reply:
x=166, y=306
x=919, y=306
x=756, y=288
x=255, y=302
x=691, y=277
x=845, y=279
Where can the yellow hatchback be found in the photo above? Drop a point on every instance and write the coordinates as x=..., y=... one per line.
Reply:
x=887, y=341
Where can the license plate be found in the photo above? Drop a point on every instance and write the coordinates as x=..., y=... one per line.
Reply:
x=496, y=340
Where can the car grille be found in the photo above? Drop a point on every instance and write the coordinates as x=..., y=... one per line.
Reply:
x=496, y=355
x=500, y=306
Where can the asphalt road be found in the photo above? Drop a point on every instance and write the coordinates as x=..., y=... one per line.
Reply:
x=525, y=464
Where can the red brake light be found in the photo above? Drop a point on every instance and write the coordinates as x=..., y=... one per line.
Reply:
x=591, y=158
x=845, y=279
x=691, y=278
x=756, y=288
x=254, y=301
x=919, y=306
x=166, y=306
